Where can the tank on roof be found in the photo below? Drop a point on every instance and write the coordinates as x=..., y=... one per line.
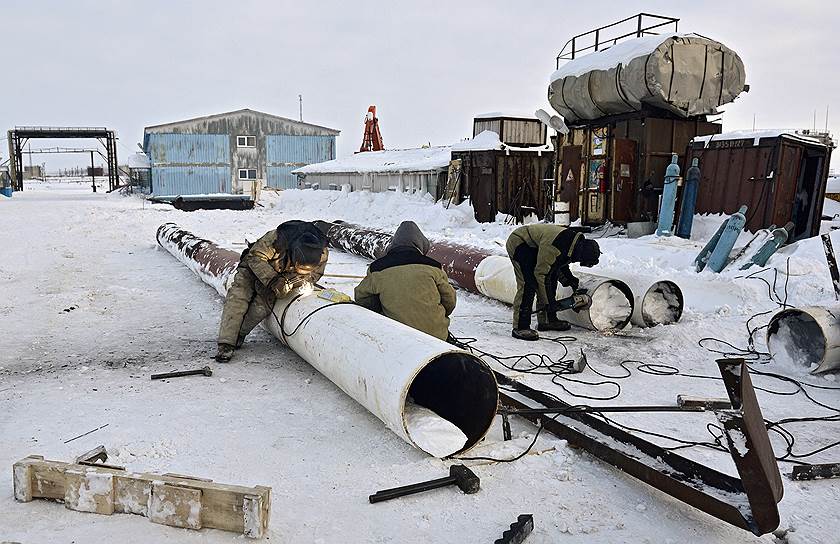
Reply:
x=684, y=74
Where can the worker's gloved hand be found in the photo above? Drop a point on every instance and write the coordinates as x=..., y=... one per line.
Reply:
x=581, y=291
x=286, y=282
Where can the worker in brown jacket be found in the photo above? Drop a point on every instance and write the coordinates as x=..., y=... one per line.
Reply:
x=541, y=253
x=284, y=259
x=408, y=286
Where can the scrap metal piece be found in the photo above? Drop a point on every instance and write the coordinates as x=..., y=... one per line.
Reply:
x=96, y=454
x=815, y=472
x=749, y=503
x=206, y=371
x=519, y=530
x=703, y=403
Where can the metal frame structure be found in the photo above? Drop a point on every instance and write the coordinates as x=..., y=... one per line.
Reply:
x=570, y=49
x=19, y=136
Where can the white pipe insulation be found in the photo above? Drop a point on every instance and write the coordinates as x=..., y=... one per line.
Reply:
x=379, y=362
x=806, y=337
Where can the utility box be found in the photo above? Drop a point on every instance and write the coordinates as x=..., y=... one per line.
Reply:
x=779, y=175
x=612, y=169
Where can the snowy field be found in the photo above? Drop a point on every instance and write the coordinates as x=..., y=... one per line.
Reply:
x=91, y=306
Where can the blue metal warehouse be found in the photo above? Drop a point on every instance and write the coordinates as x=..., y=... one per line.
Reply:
x=230, y=152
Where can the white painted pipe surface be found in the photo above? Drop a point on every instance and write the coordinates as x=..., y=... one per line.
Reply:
x=377, y=361
x=612, y=300
x=806, y=337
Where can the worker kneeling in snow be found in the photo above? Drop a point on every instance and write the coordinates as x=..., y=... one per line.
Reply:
x=541, y=254
x=408, y=286
x=284, y=259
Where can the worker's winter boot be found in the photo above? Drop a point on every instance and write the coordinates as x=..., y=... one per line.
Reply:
x=555, y=325
x=525, y=334
x=225, y=353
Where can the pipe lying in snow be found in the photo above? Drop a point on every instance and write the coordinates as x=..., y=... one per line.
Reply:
x=806, y=337
x=355, y=349
x=657, y=302
x=491, y=275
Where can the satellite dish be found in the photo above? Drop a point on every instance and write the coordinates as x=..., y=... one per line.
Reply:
x=552, y=121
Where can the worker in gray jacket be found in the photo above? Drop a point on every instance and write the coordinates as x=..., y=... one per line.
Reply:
x=541, y=254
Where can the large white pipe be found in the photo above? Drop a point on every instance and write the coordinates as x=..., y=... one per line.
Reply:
x=806, y=337
x=377, y=361
x=612, y=301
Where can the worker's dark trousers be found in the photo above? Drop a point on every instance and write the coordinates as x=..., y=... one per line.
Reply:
x=524, y=259
x=246, y=304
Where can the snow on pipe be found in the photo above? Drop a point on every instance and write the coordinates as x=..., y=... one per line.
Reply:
x=806, y=337
x=397, y=373
x=481, y=272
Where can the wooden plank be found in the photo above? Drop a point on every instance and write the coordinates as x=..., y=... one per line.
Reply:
x=196, y=503
x=87, y=490
x=175, y=505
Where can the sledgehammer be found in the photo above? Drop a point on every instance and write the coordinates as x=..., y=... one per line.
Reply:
x=459, y=475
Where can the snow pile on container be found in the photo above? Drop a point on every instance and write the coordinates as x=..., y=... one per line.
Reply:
x=685, y=74
x=486, y=139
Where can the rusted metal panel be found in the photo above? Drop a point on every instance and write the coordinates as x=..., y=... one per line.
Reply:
x=771, y=178
x=623, y=180
x=569, y=182
x=505, y=181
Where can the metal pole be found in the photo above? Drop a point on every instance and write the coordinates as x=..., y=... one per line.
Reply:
x=92, y=173
x=300, y=99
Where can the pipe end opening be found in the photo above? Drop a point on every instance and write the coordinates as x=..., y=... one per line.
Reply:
x=451, y=405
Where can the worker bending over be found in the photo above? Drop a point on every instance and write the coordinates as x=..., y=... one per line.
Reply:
x=541, y=254
x=408, y=286
x=288, y=257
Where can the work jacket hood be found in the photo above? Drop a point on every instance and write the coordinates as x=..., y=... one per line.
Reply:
x=409, y=235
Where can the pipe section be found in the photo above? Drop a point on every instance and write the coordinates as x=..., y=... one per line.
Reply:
x=806, y=337
x=656, y=302
x=356, y=349
x=481, y=272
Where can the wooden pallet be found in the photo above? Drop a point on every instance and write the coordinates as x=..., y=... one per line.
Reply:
x=168, y=499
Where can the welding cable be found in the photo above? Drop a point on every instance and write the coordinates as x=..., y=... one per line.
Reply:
x=511, y=460
x=544, y=365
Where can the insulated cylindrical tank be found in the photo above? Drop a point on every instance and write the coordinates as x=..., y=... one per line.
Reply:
x=808, y=338
x=381, y=363
x=685, y=74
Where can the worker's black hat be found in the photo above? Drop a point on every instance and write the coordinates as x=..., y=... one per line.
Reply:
x=586, y=252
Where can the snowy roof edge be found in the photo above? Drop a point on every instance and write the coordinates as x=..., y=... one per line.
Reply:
x=757, y=135
x=243, y=110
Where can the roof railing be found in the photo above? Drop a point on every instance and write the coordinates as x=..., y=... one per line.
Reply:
x=599, y=40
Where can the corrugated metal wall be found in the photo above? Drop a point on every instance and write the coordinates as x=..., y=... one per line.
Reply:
x=190, y=180
x=184, y=164
x=284, y=153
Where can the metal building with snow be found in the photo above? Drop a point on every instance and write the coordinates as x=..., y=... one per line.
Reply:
x=232, y=152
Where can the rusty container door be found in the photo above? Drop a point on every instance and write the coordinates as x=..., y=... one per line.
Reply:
x=623, y=182
x=594, y=209
x=569, y=183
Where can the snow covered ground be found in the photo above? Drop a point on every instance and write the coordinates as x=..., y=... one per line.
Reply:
x=91, y=306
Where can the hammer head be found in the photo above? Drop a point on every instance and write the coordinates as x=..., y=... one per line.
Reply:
x=465, y=479
x=207, y=371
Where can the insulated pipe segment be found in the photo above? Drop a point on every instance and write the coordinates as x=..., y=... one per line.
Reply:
x=379, y=362
x=657, y=302
x=806, y=337
x=481, y=272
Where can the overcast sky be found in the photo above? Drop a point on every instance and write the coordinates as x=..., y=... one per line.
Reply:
x=428, y=66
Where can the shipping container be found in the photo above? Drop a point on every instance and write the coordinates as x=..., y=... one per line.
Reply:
x=514, y=131
x=780, y=176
